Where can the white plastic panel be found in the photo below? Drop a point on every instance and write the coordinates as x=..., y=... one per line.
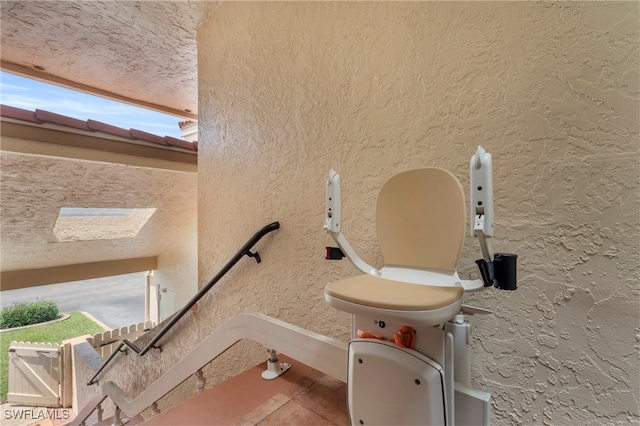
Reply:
x=449, y=371
x=481, y=189
x=333, y=211
x=473, y=407
x=461, y=334
x=390, y=385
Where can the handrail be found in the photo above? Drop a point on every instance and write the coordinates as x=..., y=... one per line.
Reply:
x=319, y=352
x=245, y=250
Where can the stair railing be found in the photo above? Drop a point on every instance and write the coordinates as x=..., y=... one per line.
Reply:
x=245, y=250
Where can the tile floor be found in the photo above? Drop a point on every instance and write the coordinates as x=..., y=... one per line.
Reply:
x=301, y=396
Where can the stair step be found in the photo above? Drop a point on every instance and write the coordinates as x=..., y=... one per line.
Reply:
x=302, y=394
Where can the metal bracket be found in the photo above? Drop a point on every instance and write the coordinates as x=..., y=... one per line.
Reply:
x=255, y=255
x=274, y=369
x=483, y=239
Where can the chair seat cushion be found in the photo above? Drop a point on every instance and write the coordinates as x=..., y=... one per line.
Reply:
x=381, y=293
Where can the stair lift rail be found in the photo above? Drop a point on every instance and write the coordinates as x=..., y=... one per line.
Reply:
x=319, y=352
x=245, y=250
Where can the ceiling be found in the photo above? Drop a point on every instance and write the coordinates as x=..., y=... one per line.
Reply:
x=142, y=52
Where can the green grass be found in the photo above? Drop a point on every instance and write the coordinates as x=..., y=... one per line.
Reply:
x=75, y=326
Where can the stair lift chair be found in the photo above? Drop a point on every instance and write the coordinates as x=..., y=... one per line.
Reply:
x=408, y=358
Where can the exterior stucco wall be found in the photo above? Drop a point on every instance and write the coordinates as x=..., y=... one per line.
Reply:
x=177, y=273
x=290, y=90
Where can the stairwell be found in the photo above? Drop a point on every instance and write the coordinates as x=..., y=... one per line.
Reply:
x=314, y=393
x=304, y=348
x=301, y=396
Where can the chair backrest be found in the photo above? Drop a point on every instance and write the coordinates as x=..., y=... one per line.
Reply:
x=420, y=219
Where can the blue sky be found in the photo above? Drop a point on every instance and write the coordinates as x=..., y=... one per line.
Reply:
x=29, y=94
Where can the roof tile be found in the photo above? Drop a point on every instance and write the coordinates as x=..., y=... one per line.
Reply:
x=41, y=116
x=180, y=143
x=147, y=137
x=18, y=113
x=63, y=120
x=108, y=128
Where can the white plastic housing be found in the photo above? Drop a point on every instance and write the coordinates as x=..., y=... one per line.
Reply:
x=473, y=407
x=333, y=211
x=481, y=189
x=394, y=386
x=461, y=332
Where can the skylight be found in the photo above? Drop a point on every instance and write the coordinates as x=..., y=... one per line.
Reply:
x=86, y=211
x=90, y=224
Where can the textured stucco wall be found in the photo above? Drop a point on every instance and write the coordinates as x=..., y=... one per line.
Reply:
x=289, y=90
x=177, y=271
x=29, y=216
x=551, y=90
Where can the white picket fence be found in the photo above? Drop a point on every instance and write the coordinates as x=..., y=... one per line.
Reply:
x=40, y=373
x=106, y=342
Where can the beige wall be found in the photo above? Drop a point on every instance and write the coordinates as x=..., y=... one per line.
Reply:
x=289, y=90
x=177, y=272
